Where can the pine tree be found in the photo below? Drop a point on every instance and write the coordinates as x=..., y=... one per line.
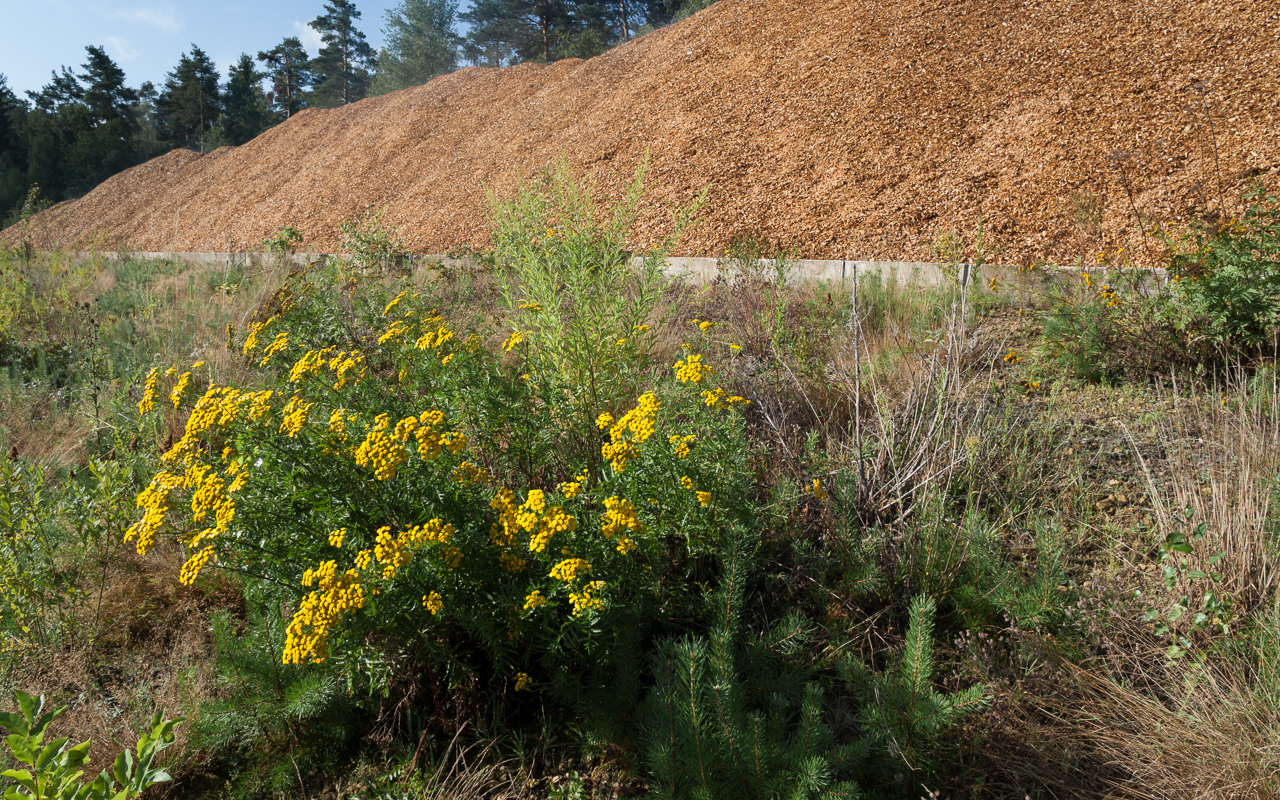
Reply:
x=189, y=105
x=13, y=156
x=342, y=65
x=421, y=44
x=289, y=68
x=517, y=30
x=244, y=107
x=107, y=147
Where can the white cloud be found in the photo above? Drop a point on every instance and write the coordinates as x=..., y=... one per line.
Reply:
x=120, y=48
x=309, y=37
x=162, y=18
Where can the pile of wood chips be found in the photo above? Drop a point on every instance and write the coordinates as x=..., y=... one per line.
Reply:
x=848, y=129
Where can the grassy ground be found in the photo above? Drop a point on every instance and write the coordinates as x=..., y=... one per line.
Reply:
x=960, y=461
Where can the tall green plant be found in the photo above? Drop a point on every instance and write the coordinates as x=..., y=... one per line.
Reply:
x=53, y=769
x=576, y=297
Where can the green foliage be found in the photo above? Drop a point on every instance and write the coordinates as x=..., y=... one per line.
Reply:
x=902, y=712
x=1225, y=282
x=342, y=67
x=374, y=248
x=55, y=769
x=189, y=104
x=420, y=44
x=732, y=715
x=1195, y=586
x=289, y=68
x=56, y=535
x=571, y=285
x=271, y=724
x=285, y=241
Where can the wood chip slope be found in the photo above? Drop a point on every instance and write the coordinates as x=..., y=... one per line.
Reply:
x=846, y=128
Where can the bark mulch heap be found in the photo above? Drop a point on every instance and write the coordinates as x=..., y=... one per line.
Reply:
x=847, y=128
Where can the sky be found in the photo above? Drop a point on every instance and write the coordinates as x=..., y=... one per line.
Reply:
x=146, y=38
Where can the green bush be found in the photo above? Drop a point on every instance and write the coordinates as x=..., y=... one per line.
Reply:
x=54, y=769
x=1225, y=277
x=569, y=282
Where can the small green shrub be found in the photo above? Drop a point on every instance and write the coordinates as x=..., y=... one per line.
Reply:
x=54, y=769
x=1225, y=278
x=374, y=248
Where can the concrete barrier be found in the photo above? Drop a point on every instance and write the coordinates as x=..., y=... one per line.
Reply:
x=704, y=270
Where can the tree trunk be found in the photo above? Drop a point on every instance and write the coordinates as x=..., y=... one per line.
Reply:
x=626, y=32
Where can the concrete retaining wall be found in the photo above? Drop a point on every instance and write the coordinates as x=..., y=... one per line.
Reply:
x=701, y=270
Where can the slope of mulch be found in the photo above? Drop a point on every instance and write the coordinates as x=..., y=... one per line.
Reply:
x=848, y=128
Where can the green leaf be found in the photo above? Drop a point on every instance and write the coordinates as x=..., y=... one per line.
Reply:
x=1195, y=573
x=22, y=777
x=15, y=723
x=50, y=751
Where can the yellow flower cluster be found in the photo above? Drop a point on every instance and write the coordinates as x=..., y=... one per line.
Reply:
x=433, y=338
x=433, y=603
x=191, y=570
x=180, y=388
x=570, y=568
x=154, y=500
x=573, y=488
x=336, y=537
x=531, y=306
x=394, y=331
x=510, y=562
x=619, y=519
x=310, y=364
x=1109, y=294
x=523, y=682
x=307, y=637
x=393, y=552
x=532, y=517
x=716, y=399
x=534, y=600
x=452, y=557
x=338, y=424
x=815, y=488
x=341, y=366
x=681, y=444
x=395, y=302
x=255, y=329
x=514, y=339
x=468, y=474
x=585, y=599
x=219, y=406
x=704, y=498
x=295, y=416
x=1012, y=357
x=279, y=343
x=381, y=451
x=639, y=422
x=148, y=402
x=691, y=369
x=431, y=442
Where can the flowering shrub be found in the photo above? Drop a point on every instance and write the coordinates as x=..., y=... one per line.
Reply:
x=368, y=484
x=1225, y=277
